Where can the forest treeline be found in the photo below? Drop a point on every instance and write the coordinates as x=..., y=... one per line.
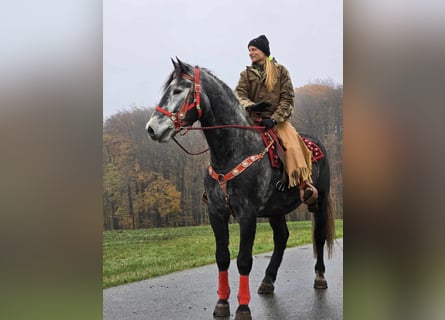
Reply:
x=148, y=184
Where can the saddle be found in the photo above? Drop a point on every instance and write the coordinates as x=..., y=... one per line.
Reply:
x=276, y=152
x=277, y=160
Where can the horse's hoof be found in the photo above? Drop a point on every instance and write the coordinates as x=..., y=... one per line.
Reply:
x=243, y=313
x=222, y=309
x=320, y=282
x=266, y=287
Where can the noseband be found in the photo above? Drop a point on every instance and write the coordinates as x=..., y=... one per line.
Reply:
x=178, y=117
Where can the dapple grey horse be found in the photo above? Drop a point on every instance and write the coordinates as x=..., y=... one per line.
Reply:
x=240, y=180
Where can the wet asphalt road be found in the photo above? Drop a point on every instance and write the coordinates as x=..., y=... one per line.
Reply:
x=191, y=294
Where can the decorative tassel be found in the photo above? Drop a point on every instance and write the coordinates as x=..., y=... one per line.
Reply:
x=298, y=156
x=298, y=176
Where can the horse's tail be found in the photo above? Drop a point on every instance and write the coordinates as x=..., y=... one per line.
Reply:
x=330, y=227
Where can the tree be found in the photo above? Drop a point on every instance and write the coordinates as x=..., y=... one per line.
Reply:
x=157, y=202
x=113, y=189
x=133, y=205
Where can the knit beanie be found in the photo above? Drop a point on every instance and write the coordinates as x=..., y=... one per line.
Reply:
x=261, y=43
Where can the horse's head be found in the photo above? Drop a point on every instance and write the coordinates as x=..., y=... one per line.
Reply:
x=179, y=106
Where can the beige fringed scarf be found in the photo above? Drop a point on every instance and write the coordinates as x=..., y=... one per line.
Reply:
x=297, y=155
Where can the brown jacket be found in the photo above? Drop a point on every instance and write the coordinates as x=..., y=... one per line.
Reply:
x=252, y=89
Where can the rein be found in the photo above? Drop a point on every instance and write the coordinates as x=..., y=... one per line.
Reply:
x=187, y=129
x=222, y=126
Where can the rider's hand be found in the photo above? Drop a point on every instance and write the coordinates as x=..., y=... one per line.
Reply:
x=268, y=123
x=260, y=107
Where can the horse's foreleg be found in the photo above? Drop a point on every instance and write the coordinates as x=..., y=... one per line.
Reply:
x=244, y=263
x=221, y=232
x=280, y=237
x=320, y=220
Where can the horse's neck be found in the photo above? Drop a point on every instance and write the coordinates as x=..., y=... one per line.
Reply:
x=229, y=145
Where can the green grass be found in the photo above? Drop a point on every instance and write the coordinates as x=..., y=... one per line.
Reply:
x=134, y=255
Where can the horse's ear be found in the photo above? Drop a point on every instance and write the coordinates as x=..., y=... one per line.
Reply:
x=181, y=66
x=174, y=63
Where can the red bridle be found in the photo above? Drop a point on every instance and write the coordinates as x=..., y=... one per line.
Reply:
x=178, y=117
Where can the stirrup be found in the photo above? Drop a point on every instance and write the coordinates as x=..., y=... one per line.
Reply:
x=309, y=194
x=280, y=186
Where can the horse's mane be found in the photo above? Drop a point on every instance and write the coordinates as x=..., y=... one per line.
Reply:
x=176, y=73
x=222, y=84
x=233, y=99
x=169, y=80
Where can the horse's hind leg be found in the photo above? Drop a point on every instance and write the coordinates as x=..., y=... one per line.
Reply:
x=280, y=236
x=319, y=238
x=221, y=231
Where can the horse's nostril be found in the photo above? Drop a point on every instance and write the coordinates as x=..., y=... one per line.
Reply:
x=150, y=131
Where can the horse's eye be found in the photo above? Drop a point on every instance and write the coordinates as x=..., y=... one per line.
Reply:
x=177, y=91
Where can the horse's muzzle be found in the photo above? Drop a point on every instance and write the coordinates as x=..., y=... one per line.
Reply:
x=151, y=132
x=161, y=132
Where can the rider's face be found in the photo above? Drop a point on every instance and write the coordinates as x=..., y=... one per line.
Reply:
x=256, y=55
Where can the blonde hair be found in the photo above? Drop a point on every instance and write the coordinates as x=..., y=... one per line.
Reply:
x=271, y=72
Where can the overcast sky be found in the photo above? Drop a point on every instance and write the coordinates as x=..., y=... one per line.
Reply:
x=140, y=37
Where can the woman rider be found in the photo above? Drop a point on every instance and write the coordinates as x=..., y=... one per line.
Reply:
x=266, y=91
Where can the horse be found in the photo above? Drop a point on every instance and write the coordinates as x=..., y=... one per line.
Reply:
x=239, y=181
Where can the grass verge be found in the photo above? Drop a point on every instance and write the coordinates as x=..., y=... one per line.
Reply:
x=133, y=255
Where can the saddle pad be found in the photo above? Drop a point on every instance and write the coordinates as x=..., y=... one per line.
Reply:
x=317, y=154
x=274, y=158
